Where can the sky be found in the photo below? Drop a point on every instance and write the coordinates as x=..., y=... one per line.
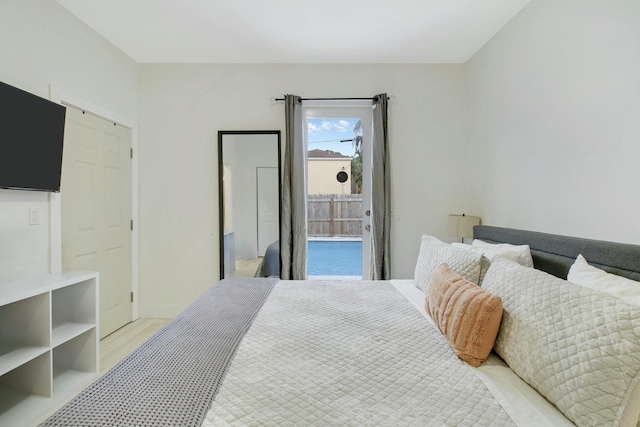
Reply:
x=331, y=130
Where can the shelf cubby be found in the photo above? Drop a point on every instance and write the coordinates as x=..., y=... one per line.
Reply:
x=48, y=343
x=75, y=362
x=25, y=390
x=24, y=331
x=73, y=311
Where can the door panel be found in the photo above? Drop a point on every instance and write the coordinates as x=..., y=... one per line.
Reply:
x=96, y=210
x=268, y=202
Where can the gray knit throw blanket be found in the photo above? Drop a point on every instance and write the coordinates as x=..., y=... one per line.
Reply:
x=172, y=378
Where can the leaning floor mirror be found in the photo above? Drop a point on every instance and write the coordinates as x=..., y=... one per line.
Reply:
x=249, y=189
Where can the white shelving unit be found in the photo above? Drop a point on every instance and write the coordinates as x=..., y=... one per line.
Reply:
x=49, y=346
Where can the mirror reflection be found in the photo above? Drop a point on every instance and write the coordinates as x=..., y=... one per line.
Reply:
x=249, y=178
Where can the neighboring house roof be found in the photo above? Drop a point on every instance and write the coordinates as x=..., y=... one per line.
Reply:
x=326, y=154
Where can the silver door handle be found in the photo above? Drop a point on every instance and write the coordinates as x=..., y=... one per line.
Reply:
x=367, y=227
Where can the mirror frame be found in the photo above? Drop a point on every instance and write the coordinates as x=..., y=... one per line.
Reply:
x=221, y=134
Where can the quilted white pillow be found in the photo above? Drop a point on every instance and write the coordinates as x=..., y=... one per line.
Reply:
x=433, y=252
x=485, y=262
x=587, y=275
x=518, y=253
x=578, y=347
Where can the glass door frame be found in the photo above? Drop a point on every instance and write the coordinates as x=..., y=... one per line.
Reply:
x=363, y=110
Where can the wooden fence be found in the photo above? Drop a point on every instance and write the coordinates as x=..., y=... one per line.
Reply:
x=330, y=215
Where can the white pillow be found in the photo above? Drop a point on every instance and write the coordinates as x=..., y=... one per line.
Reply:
x=433, y=252
x=485, y=262
x=581, y=273
x=462, y=246
x=578, y=347
x=518, y=253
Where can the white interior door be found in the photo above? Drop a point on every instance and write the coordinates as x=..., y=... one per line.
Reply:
x=96, y=210
x=268, y=207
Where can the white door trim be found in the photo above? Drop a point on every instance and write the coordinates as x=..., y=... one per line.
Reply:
x=63, y=97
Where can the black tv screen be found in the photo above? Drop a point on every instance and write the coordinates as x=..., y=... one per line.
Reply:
x=31, y=137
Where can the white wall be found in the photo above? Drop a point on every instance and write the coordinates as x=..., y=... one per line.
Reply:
x=183, y=106
x=549, y=109
x=554, y=121
x=41, y=44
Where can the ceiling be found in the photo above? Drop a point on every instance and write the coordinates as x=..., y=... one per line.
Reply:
x=296, y=31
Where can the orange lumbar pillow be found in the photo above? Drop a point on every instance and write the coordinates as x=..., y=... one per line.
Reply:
x=468, y=316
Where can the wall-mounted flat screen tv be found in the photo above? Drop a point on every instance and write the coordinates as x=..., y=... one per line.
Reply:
x=31, y=137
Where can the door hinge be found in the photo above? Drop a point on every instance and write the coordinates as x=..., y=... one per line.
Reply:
x=131, y=225
x=131, y=296
x=131, y=152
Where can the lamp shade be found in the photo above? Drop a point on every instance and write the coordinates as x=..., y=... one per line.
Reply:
x=462, y=225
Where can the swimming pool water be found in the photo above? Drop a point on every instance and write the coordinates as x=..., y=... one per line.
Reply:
x=334, y=258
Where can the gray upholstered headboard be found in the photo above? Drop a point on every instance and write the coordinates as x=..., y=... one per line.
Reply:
x=555, y=254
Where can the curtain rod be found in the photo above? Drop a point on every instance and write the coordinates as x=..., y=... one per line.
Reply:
x=333, y=99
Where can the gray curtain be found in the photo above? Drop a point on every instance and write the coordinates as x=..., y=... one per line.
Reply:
x=380, y=268
x=293, y=224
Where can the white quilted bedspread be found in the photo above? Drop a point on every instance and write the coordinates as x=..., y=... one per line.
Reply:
x=348, y=353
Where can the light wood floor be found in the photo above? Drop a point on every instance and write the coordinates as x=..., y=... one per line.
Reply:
x=118, y=345
x=246, y=267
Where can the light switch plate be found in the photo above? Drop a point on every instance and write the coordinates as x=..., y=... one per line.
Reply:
x=34, y=216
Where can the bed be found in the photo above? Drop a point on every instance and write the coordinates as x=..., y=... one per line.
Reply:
x=270, y=352
x=271, y=261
